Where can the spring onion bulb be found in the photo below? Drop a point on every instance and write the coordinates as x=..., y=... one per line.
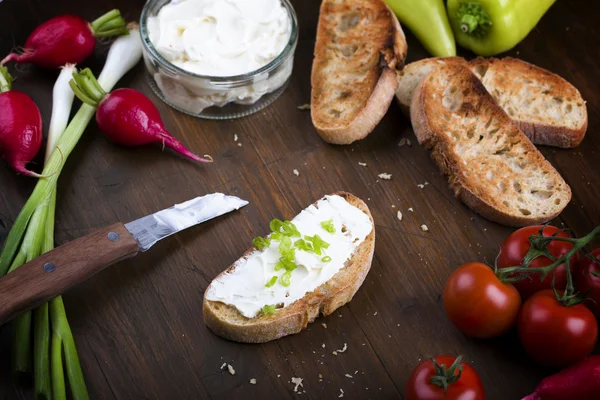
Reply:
x=62, y=101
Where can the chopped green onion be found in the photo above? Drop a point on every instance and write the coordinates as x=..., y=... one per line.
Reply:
x=304, y=245
x=285, y=228
x=269, y=309
x=276, y=225
x=326, y=259
x=328, y=226
x=286, y=249
x=278, y=266
x=271, y=282
x=318, y=243
x=261, y=242
x=277, y=236
x=285, y=278
x=288, y=264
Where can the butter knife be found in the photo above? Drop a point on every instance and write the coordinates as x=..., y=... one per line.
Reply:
x=53, y=273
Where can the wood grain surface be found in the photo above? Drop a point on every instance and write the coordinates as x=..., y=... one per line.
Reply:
x=138, y=325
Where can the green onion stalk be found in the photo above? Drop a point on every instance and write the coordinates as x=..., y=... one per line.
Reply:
x=32, y=234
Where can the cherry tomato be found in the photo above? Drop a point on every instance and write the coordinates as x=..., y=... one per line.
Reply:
x=421, y=387
x=516, y=246
x=478, y=303
x=588, y=284
x=556, y=335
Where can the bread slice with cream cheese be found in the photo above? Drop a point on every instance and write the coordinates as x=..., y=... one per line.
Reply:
x=232, y=300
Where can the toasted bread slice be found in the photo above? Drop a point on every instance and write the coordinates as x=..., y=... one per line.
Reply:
x=410, y=76
x=491, y=165
x=227, y=322
x=359, y=45
x=547, y=108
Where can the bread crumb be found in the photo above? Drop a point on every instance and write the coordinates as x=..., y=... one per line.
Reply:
x=402, y=142
x=279, y=376
x=334, y=353
x=223, y=366
x=230, y=369
x=408, y=142
x=253, y=381
x=239, y=144
x=324, y=325
x=345, y=347
x=399, y=216
x=355, y=372
x=424, y=228
x=323, y=345
x=393, y=206
x=348, y=376
x=385, y=176
x=362, y=164
x=304, y=107
x=410, y=209
x=295, y=171
x=320, y=376
x=341, y=393
x=297, y=382
x=235, y=138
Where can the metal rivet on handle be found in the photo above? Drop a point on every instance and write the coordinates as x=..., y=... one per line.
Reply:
x=49, y=267
x=113, y=236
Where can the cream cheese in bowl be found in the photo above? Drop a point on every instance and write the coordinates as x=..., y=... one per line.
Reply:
x=206, y=53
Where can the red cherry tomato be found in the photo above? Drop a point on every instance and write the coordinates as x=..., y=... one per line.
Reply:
x=587, y=284
x=478, y=303
x=421, y=387
x=556, y=335
x=516, y=246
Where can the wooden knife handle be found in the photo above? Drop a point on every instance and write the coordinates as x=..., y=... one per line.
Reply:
x=55, y=272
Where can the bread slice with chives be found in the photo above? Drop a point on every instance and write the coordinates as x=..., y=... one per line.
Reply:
x=491, y=165
x=226, y=321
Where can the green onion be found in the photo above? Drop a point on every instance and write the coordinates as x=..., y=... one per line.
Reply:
x=269, y=309
x=285, y=278
x=286, y=249
x=271, y=282
x=326, y=259
x=318, y=243
x=328, y=226
x=285, y=228
x=261, y=242
x=33, y=234
x=304, y=245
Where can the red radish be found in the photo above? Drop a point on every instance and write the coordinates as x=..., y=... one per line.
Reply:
x=20, y=126
x=126, y=116
x=580, y=381
x=67, y=39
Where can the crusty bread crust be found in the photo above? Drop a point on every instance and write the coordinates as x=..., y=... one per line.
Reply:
x=491, y=165
x=225, y=321
x=410, y=76
x=546, y=107
x=359, y=46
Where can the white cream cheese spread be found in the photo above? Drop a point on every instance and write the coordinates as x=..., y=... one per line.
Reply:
x=245, y=287
x=220, y=37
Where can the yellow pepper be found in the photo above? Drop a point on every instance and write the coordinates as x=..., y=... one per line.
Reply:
x=489, y=27
x=427, y=19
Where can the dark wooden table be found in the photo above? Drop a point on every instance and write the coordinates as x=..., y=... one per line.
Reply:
x=138, y=326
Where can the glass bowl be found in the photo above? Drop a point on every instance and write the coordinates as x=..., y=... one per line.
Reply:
x=217, y=97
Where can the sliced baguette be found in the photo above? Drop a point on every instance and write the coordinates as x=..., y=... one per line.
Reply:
x=491, y=165
x=359, y=45
x=547, y=108
x=227, y=322
x=410, y=76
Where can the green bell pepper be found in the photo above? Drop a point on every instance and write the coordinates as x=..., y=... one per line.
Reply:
x=489, y=27
x=427, y=19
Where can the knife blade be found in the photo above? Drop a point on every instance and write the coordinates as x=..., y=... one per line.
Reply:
x=55, y=272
